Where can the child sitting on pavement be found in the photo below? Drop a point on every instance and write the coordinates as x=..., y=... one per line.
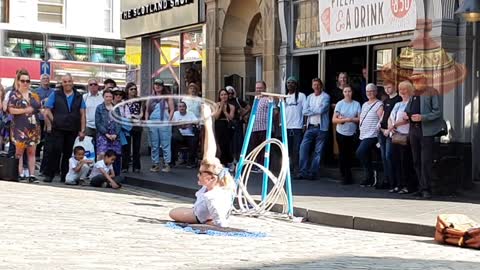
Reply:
x=78, y=167
x=214, y=199
x=103, y=174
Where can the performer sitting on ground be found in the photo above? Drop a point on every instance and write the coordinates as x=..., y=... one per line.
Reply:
x=214, y=199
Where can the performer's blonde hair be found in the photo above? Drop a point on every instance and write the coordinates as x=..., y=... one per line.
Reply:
x=214, y=166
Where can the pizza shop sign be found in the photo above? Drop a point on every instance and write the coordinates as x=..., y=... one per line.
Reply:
x=347, y=19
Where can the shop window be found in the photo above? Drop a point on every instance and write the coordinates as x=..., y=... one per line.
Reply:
x=50, y=11
x=305, y=24
x=107, y=51
x=18, y=44
x=382, y=58
x=107, y=16
x=192, y=49
x=166, y=61
x=67, y=48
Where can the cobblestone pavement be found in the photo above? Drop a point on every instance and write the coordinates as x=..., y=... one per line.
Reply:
x=59, y=227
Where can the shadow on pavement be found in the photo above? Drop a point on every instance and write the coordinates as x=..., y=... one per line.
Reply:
x=146, y=219
x=148, y=204
x=363, y=262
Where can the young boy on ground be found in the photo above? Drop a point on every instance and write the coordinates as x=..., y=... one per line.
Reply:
x=78, y=167
x=103, y=174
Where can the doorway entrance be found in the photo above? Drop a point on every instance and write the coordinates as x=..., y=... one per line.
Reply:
x=349, y=60
x=307, y=70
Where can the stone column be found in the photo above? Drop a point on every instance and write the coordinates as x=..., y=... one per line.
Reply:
x=146, y=67
x=284, y=56
x=209, y=66
x=269, y=10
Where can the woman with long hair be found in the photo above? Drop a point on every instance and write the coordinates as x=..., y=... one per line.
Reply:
x=214, y=199
x=224, y=115
x=25, y=128
x=346, y=117
x=131, y=150
x=161, y=110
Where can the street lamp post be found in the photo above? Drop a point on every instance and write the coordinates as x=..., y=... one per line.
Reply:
x=470, y=11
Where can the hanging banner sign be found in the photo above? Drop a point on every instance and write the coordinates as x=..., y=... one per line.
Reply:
x=347, y=19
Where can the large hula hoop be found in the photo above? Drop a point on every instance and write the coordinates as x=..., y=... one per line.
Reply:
x=159, y=123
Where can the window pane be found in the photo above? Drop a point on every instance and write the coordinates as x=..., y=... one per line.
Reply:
x=60, y=2
x=50, y=18
x=306, y=24
x=192, y=46
x=107, y=51
x=383, y=57
x=166, y=60
x=50, y=9
x=108, y=4
x=21, y=44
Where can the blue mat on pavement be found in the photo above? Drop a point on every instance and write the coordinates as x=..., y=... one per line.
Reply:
x=214, y=231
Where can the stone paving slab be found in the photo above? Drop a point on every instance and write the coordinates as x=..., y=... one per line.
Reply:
x=58, y=227
x=327, y=202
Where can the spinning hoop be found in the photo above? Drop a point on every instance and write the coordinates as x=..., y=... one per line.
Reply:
x=159, y=123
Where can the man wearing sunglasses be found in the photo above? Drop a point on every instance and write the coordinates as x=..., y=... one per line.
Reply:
x=92, y=99
x=65, y=109
x=43, y=92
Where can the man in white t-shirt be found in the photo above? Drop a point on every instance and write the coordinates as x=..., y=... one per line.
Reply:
x=92, y=99
x=293, y=109
x=316, y=109
x=185, y=134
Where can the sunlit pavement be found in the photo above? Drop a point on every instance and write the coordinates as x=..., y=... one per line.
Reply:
x=59, y=227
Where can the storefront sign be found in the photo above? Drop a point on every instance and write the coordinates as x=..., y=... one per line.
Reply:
x=347, y=19
x=140, y=17
x=153, y=8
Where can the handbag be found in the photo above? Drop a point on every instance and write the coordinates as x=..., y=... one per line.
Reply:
x=400, y=139
x=444, y=130
x=87, y=144
x=8, y=168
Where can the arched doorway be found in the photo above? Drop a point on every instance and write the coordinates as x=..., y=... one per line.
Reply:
x=241, y=44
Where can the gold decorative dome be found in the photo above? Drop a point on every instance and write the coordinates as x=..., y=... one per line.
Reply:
x=426, y=59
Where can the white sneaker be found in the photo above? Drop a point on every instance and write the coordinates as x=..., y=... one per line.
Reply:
x=166, y=169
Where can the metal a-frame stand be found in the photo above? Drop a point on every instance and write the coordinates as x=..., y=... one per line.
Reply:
x=248, y=133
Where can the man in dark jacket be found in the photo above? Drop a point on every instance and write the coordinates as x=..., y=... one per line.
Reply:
x=425, y=117
x=65, y=114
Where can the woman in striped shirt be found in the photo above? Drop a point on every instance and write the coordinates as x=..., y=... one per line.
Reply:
x=372, y=112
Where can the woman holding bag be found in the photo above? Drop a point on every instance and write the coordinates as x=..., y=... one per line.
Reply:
x=372, y=111
x=403, y=179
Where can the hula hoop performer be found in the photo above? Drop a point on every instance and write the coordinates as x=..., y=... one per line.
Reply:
x=214, y=199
